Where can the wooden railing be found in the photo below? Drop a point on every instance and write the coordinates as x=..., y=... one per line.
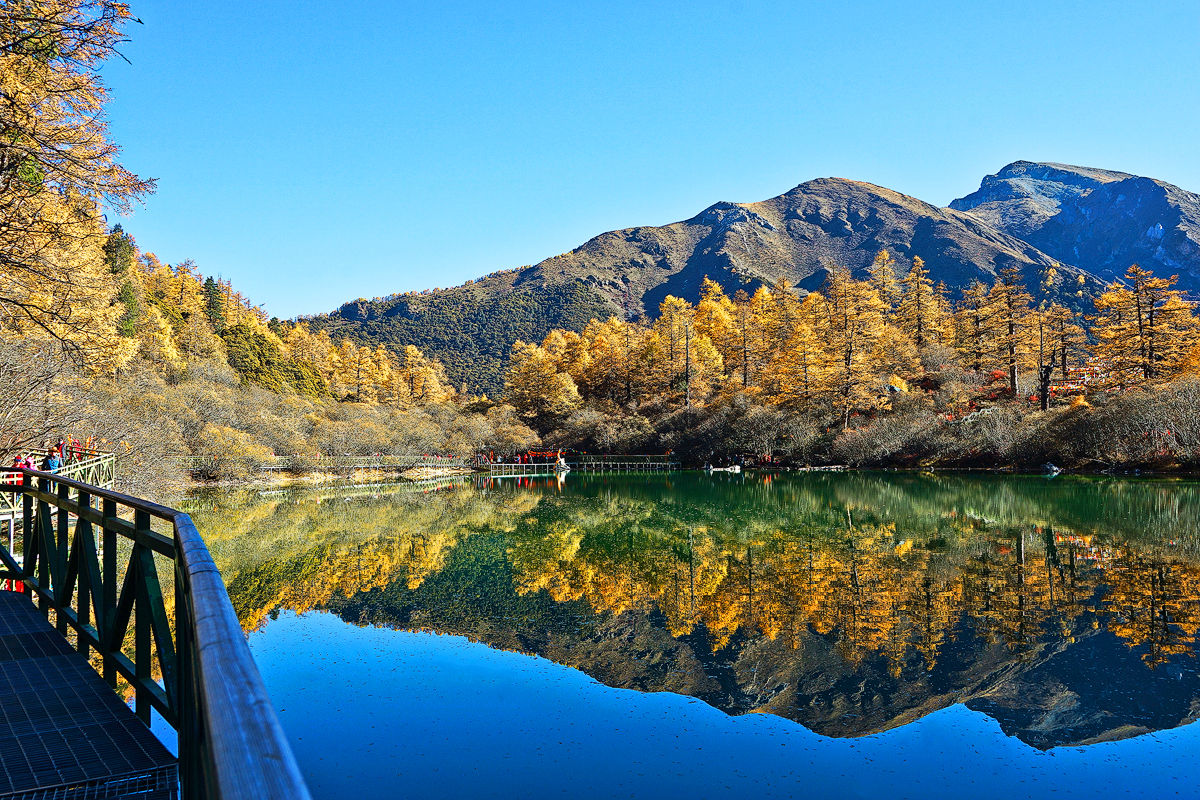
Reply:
x=501, y=470
x=623, y=463
x=88, y=557
x=95, y=468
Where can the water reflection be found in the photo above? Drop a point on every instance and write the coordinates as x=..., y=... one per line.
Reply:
x=851, y=603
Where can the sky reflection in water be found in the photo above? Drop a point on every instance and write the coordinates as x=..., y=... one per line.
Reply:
x=389, y=713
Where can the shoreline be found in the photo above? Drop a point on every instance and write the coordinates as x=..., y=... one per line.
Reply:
x=373, y=476
x=365, y=477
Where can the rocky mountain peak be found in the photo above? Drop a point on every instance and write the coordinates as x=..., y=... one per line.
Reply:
x=1099, y=220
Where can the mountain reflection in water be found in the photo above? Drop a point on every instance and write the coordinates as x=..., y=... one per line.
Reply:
x=851, y=603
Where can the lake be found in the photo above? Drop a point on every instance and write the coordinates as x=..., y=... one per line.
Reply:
x=820, y=634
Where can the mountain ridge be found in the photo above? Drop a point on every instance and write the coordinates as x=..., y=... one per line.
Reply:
x=1089, y=224
x=1102, y=220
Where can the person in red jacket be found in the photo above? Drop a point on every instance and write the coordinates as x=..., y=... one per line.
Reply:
x=18, y=463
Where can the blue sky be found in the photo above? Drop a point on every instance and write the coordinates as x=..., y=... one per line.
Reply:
x=319, y=152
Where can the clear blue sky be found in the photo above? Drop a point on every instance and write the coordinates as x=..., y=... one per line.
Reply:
x=316, y=152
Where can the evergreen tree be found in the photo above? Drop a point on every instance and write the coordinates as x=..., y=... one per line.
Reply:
x=214, y=303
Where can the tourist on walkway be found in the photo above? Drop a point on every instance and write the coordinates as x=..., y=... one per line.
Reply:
x=53, y=463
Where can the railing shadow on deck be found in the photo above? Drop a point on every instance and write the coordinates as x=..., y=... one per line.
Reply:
x=231, y=744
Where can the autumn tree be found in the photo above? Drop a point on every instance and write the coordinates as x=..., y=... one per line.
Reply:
x=687, y=362
x=58, y=168
x=975, y=323
x=1143, y=328
x=803, y=367
x=1009, y=305
x=610, y=373
x=1055, y=338
x=424, y=378
x=919, y=314
x=743, y=344
x=715, y=318
x=851, y=325
x=536, y=388
x=883, y=279
x=354, y=370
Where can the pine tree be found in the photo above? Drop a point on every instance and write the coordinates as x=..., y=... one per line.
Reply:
x=975, y=327
x=919, y=314
x=852, y=324
x=1143, y=329
x=1009, y=304
x=214, y=303
x=883, y=279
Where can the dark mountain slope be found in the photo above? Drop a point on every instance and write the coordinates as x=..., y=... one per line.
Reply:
x=1099, y=220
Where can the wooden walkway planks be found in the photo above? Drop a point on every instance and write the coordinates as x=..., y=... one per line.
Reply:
x=64, y=733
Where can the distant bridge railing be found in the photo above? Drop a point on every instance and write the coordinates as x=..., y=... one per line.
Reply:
x=231, y=744
x=623, y=463
x=501, y=470
x=95, y=468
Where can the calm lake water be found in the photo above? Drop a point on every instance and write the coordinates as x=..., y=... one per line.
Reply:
x=824, y=635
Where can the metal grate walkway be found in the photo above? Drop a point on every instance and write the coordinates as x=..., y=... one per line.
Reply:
x=64, y=733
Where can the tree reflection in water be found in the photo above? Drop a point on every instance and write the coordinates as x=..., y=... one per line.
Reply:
x=851, y=603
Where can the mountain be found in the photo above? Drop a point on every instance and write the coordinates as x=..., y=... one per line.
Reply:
x=792, y=236
x=740, y=245
x=1098, y=220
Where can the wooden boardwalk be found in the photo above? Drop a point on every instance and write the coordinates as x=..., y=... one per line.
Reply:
x=624, y=463
x=64, y=733
x=522, y=470
x=89, y=556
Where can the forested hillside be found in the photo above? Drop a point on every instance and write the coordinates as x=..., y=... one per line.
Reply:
x=881, y=371
x=470, y=328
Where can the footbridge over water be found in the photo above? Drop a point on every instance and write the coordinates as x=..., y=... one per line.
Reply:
x=109, y=596
x=583, y=463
